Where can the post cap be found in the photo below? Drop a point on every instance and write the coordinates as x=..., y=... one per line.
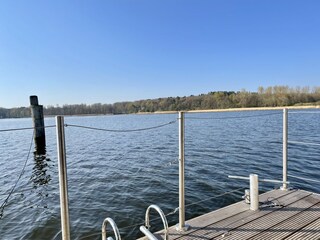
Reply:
x=34, y=100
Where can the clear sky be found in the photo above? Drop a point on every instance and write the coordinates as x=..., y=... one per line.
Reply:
x=70, y=52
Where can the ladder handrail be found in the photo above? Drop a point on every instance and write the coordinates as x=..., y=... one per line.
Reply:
x=147, y=223
x=114, y=228
x=147, y=233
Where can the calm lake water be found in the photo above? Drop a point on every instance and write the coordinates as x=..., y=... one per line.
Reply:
x=119, y=175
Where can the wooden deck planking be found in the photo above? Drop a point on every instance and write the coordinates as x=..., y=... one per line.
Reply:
x=311, y=231
x=293, y=224
x=296, y=216
x=263, y=224
x=213, y=217
x=236, y=220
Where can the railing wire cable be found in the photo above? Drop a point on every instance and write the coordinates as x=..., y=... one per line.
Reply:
x=303, y=178
x=21, y=191
x=18, y=179
x=304, y=112
x=220, y=195
x=119, y=130
x=26, y=128
x=304, y=143
x=234, y=117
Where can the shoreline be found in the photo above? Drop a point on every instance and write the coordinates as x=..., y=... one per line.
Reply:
x=192, y=111
x=237, y=109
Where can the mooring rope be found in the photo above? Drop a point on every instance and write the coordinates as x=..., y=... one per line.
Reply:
x=3, y=205
x=304, y=143
x=119, y=130
x=235, y=117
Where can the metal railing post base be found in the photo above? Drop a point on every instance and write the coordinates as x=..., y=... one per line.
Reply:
x=185, y=228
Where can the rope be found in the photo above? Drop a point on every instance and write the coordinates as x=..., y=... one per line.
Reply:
x=3, y=205
x=26, y=128
x=270, y=202
x=248, y=116
x=118, y=130
x=306, y=179
x=305, y=143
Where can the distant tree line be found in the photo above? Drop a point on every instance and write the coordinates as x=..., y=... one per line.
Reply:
x=276, y=96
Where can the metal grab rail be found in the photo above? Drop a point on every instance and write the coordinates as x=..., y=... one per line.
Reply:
x=145, y=229
x=260, y=180
x=114, y=228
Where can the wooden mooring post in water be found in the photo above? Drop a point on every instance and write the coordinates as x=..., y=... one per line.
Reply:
x=38, y=124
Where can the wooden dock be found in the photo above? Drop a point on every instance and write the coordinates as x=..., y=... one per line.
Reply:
x=293, y=214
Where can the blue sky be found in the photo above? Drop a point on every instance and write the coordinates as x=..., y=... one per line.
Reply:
x=70, y=52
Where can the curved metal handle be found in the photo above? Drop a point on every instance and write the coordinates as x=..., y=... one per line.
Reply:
x=163, y=217
x=114, y=228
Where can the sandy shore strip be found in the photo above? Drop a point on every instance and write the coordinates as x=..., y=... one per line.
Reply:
x=239, y=109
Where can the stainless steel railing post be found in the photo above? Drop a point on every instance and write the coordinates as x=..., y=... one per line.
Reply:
x=285, y=149
x=181, y=225
x=63, y=182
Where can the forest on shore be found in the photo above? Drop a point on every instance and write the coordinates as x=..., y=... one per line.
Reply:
x=276, y=96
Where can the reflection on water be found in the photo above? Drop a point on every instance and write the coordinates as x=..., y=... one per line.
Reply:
x=39, y=173
x=40, y=179
x=36, y=185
